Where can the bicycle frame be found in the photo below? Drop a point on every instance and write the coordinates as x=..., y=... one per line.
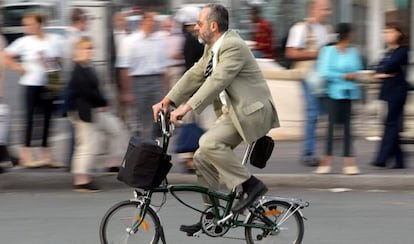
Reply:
x=228, y=218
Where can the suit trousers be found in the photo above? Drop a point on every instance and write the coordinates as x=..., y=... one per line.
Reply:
x=215, y=157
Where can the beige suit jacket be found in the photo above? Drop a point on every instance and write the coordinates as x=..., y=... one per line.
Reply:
x=248, y=98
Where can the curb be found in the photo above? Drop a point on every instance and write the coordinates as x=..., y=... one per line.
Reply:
x=51, y=181
x=363, y=182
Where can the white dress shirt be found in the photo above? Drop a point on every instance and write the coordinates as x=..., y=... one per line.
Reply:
x=142, y=54
x=214, y=49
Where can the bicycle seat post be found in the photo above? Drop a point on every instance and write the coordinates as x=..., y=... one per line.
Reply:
x=247, y=153
x=246, y=156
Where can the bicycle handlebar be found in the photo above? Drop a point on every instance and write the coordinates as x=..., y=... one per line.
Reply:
x=167, y=127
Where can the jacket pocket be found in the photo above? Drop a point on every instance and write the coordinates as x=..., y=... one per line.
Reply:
x=253, y=108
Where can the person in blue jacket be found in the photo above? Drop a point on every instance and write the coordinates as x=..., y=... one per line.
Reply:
x=338, y=64
x=391, y=70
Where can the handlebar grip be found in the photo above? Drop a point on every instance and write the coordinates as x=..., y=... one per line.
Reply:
x=167, y=127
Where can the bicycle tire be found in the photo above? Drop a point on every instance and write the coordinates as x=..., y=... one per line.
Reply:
x=116, y=221
x=291, y=231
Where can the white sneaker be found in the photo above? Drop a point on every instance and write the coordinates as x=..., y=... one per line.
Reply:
x=351, y=170
x=323, y=170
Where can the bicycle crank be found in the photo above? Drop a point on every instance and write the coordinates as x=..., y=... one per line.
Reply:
x=209, y=223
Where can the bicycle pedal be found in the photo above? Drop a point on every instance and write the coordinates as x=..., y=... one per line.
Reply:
x=197, y=234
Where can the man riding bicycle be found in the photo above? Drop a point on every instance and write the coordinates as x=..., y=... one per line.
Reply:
x=228, y=76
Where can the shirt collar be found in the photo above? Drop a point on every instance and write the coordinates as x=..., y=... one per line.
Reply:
x=217, y=44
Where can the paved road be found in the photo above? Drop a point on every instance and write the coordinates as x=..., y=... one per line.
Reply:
x=62, y=216
x=283, y=170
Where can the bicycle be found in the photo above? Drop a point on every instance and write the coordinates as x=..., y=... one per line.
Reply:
x=268, y=220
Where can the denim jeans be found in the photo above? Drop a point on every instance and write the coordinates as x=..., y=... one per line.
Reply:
x=312, y=111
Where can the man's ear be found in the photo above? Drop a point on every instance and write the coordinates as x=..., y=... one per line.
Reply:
x=213, y=26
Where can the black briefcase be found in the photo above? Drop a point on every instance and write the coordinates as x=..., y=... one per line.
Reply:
x=262, y=151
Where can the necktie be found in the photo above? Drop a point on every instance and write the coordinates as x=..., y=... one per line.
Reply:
x=209, y=68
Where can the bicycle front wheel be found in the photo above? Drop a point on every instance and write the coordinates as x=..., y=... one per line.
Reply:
x=119, y=225
x=289, y=224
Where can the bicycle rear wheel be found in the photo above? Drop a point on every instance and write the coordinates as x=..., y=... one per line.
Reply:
x=118, y=221
x=290, y=225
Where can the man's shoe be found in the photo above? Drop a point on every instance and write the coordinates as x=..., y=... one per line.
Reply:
x=310, y=161
x=253, y=192
x=191, y=229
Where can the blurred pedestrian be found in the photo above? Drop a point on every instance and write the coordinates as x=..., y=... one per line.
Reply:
x=76, y=30
x=143, y=61
x=120, y=29
x=120, y=32
x=262, y=35
x=339, y=64
x=172, y=32
x=4, y=113
x=391, y=70
x=303, y=44
x=192, y=48
x=84, y=101
x=193, y=124
x=38, y=51
x=227, y=75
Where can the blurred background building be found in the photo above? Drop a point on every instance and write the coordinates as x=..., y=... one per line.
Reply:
x=368, y=17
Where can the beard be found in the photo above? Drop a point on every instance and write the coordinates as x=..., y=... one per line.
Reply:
x=200, y=40
x=205, y=38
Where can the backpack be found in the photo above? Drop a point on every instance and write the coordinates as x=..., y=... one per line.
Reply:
x=281, y=50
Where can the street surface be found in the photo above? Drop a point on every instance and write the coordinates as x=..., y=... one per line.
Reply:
x=65, y=217
x=37, y=205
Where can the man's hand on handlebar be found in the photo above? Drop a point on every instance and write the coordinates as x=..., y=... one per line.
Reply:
x=164, y=104
x=175, y=115
x=179, y=113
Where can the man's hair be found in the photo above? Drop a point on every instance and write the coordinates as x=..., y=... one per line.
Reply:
x=219, y=14
x=78, y=14
x=38, y=17
x=148, y=14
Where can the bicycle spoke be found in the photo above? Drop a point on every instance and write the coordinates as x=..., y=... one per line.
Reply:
x=288, y=222
x=120, y=225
